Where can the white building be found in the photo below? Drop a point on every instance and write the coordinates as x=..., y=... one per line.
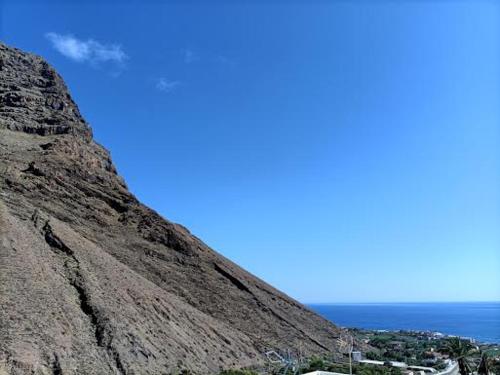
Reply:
x=356, y=356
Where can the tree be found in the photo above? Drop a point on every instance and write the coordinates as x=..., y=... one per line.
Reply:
x=377, y=370
x=373, y=355
x=483, y=368
x=459, y=350
x=315, y=364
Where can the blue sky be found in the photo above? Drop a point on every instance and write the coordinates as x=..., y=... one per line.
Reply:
x=342, y=151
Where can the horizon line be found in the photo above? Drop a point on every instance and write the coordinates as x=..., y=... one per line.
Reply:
x=395, y=302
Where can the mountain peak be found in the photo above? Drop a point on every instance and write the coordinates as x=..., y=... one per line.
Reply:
x=34, y=98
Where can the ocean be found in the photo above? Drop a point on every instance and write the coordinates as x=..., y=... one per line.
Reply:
x=478, y=320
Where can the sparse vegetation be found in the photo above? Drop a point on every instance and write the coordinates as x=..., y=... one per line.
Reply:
x=237, y=372
x=343, y=368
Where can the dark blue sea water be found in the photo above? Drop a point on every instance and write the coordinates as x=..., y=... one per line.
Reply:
x=480, y=321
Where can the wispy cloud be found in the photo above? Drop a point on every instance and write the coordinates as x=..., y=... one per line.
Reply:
x=165, y=85
x=190, y=56
x=224, y=60
x=89, y=50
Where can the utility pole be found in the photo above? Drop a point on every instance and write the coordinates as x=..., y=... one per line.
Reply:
x=350, y=355
x=346, y=344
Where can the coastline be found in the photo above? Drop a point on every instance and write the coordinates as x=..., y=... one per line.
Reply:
x=478, y=321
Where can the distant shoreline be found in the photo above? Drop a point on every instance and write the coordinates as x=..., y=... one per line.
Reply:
x=433, y=334
x=479, y=321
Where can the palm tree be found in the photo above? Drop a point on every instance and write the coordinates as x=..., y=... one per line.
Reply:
x=484, y=368
x=460, y=350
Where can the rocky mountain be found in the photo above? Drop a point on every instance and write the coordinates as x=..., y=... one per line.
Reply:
x=94, y=282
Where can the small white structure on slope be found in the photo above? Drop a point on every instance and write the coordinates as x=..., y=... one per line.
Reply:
x=356, y=356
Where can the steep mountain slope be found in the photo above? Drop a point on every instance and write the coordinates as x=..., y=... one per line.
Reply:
x=94, y=282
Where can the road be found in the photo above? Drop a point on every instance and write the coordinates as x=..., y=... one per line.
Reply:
x=451, y=369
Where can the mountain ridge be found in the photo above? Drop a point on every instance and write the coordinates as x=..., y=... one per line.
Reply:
x=127, y=291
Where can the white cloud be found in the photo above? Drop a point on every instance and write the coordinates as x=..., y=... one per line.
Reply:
x=190, y=56
x=165, y=85
x=224, y=60
x=86, y=50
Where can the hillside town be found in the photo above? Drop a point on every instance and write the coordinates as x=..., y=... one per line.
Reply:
x=391, y=352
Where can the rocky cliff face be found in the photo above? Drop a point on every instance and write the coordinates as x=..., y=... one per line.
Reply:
x=94, y=282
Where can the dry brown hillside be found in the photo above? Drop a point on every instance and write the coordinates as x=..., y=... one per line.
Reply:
x=94, y=282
